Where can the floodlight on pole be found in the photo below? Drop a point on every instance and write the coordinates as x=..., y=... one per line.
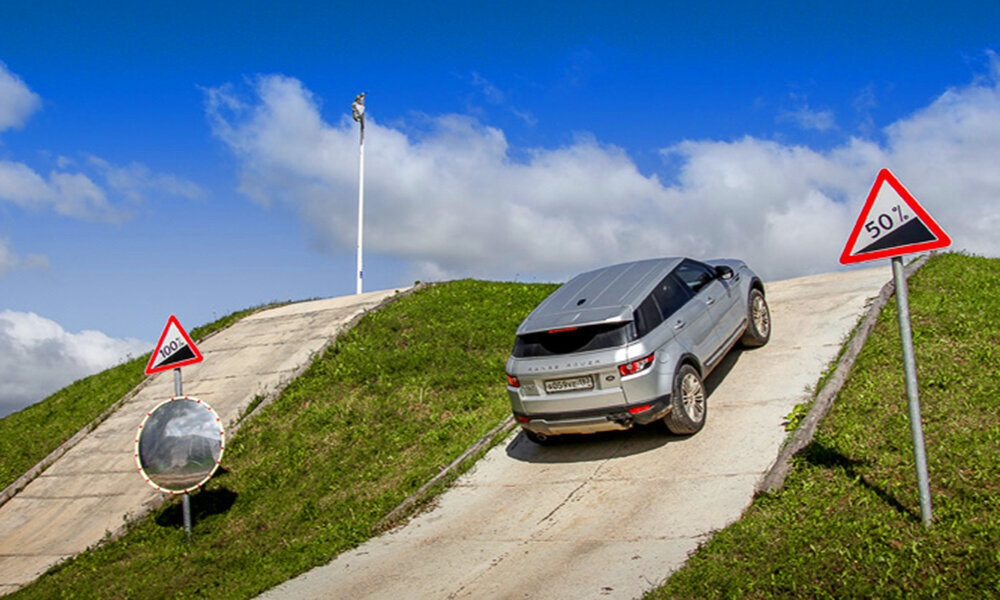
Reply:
x=358, y=112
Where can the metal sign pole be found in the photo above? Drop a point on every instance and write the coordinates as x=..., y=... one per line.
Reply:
x=186, y=504
x=912, y=394
x=361, y=208
x=358, y=112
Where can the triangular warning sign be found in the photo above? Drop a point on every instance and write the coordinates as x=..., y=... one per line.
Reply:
x=892, y=223
x=175, y=349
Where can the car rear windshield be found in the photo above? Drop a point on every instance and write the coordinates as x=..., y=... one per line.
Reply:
x=566, y=341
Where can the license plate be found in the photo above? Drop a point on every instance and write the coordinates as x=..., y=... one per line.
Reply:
x=569, y=385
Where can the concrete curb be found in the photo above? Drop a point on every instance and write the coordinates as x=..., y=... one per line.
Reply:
x=776, y=475
x=21, y=482
x=394, y=517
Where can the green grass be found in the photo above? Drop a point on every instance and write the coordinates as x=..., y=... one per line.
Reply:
x=847, y=523
x=29, y=435
x=381, y=412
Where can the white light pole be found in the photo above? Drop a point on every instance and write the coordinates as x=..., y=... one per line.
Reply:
x=358, y=112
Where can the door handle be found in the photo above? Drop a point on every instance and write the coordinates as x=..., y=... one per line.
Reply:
x=710, y=301
x=679, y=324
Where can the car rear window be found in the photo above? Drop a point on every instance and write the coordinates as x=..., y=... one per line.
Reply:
x=580, y=339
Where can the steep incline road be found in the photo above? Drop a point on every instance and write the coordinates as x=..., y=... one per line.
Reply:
x=96, y=484
x=610, y=515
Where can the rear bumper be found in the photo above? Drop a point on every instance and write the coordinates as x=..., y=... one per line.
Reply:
x=593, y=421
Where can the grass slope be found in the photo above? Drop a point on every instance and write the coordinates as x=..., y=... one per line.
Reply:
x=847, y=523
x=29, y=435
x=391, y=402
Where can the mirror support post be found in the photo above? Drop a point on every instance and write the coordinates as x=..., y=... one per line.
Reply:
x=179, y=391
x=187, y=515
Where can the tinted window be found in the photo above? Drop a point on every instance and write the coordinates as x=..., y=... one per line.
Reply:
x=670, y=295
x=695, y=275
x=647, y=317
x=582, y=339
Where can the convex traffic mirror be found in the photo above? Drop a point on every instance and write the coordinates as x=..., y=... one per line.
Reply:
x=179, y=445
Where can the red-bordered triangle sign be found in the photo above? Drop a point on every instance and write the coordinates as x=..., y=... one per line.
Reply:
x=175, y=349
x=892, y=223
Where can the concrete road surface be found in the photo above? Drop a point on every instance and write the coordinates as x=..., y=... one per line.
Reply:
x=92, y=488
x=610, y=515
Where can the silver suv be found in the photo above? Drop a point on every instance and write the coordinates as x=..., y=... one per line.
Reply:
x=632, y=343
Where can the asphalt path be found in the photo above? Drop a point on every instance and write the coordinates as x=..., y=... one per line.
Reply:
x=610, y=515
x=95, y=486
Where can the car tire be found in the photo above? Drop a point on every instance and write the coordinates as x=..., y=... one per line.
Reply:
x=688, y=402
x=758, y=330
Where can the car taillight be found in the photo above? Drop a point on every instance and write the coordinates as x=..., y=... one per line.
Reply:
x=636, y=366
x=638, y=409
x=513, y=381
x=521, y=419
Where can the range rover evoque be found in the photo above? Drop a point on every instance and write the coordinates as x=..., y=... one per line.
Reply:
x=632, y=343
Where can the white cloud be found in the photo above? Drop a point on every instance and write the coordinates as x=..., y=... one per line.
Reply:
x=70, y=191
x=491, y=92
x=77, y=195
x=494, y=95
x=69, y=194
x=451, y=199
x=17, y=102
x=806, y=118
x=9, y=260
x=136, y=180
x=40, y=357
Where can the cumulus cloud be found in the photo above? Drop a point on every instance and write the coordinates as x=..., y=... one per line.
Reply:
x=17, y=101
x=39, y=357
x=449, y=196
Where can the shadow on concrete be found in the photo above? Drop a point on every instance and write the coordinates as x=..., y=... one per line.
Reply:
x=721, y=370
x=820, y=455
x=204, y=503
x=593, y=446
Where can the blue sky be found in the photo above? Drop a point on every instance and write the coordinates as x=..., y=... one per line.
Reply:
x=196, y=158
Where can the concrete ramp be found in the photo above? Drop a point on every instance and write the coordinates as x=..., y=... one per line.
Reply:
x=89, y=491
x=610, y=515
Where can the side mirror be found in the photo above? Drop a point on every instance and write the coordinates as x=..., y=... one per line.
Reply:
x=723, y=272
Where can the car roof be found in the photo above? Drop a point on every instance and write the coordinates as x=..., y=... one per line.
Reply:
x=606, y=295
